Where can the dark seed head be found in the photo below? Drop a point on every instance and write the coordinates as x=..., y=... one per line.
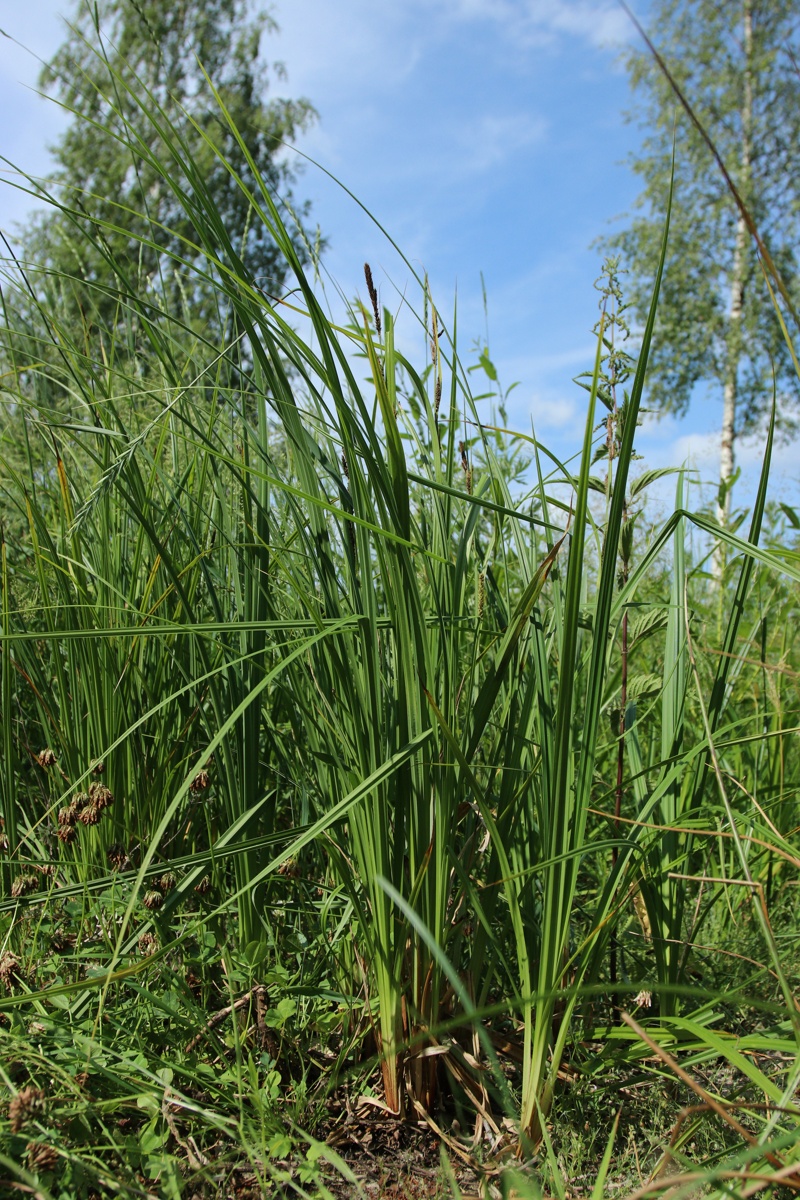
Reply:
x=200, y=782
x=118, y=857
x=373, y=295
x=152, y=900
x=46, y=758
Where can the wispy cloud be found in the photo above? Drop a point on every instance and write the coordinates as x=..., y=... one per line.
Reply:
x=534, y=22
x=489, y=142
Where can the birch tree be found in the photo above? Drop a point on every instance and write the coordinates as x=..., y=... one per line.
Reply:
x=737, y=65
x=120, y=54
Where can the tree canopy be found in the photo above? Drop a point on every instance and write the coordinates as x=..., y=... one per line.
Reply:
x=736, y=66
x=123, y=54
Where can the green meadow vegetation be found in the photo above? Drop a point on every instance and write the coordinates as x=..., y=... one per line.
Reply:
x=386, y=803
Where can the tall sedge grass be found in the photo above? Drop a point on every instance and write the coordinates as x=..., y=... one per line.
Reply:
x=271, y=589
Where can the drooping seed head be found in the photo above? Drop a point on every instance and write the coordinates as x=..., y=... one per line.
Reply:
x=46, y=758
x=152, y=900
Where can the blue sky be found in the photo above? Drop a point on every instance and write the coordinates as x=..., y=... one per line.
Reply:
x=487, y=136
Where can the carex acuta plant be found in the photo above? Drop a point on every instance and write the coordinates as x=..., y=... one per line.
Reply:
x=268, y=579
x=255, y=556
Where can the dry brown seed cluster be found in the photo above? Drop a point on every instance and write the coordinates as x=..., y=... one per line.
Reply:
x=86, y=807
x=200, y=782
x=9, y=969
x=152, y=900
x=203, y=886
x=148, y=944
x=89, y=815
x=41, y=1157
x=167, y=882
x=25, y=883
x=66, y=825
x=46, y=758
x=98, y=768
x=100, y=797
x=28, y=1103
x=78, y=804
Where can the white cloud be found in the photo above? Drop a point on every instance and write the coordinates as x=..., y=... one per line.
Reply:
x=495, y=138
x=532, y=22
x=667, y=443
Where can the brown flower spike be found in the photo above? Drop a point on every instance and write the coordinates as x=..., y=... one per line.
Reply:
x=41, y=1157
x=28, y=1103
